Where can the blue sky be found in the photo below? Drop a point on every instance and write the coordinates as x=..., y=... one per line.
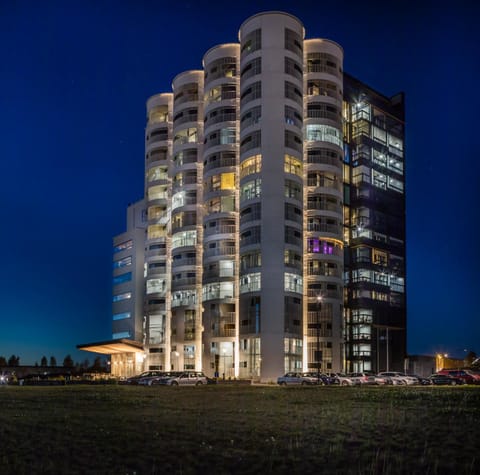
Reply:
x=74, y=78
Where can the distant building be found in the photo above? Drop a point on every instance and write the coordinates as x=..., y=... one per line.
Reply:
x=275, y=216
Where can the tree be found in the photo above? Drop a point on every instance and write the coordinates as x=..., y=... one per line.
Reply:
x=14, y=360
x=97, y=364
x=53, y=361
x=43, y=361
x=68, y=362
x=3, y=361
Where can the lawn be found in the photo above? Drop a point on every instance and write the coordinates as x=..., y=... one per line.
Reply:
x=226, y=429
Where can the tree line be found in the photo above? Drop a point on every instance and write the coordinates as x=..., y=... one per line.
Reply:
x=98, y=363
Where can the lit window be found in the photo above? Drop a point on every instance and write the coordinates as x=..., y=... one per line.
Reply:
x=227, y=181
x=293, y=283
x=324, y=133
x=185, y=238
x=251, y=165
x=126, y=261
x=121, y=316
x=250, y=282
x=120, y=297
x=156, y=231
x=155, y=286
x=293, y=165
x=116, y=336
x=123, y=246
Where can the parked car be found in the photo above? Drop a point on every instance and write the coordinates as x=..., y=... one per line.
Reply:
x=297, y=378
x=422, y=381
x=341, y=379
x=183, y=378
x=467, y=376
x=325, y=378
x=377, y=379
x=153, y=379
x=445, y=379
x=361, y=378
x=135, y=379
x=397, y=378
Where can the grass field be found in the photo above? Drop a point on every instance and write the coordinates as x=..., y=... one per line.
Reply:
x=239, y=429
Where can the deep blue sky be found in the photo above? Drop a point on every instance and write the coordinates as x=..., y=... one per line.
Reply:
x=74, y=78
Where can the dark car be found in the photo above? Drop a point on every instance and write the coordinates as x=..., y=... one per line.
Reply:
x=444, y=379
x=322, y=378
x=467, y=376
x=421, y=380
x=135, y=379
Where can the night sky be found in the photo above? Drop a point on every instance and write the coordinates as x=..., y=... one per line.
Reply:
x=74, y=79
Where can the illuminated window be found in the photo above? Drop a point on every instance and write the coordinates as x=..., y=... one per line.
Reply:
x=227, y=181
x=156, y=173
x=156, y=212
x=380, y=257
x=217, y=290
x=121, y=316
x=228, y=135
x=126, y=261
x=250, y=282
x=185, y=238
x=123, y=246
x=226, y=268
x=158, y=114
x=189, y=135
x=293, y=283
x=157, y=192
x=119, y=335
x=156, y=231
x=155, y=286
x=293, y=165
x=251, y=165
x=324, y=133
x=123, y=296
x=323, y=246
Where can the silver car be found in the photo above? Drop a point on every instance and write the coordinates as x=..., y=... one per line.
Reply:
x=296, y=378
x=397, y=378
x=184, y=378
x=342, y=379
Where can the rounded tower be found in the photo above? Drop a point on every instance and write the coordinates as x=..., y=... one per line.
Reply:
x=220, y=219
x=186, y=221
x=157, y=196
x=271, y=194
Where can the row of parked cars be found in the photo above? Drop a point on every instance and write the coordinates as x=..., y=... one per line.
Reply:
x=169, y=378
x=443, y=377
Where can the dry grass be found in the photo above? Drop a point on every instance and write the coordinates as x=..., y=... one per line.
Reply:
x=238, y=429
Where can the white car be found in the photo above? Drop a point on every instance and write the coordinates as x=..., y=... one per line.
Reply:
x=397, y=378
x=342, y=379
x=185, y=378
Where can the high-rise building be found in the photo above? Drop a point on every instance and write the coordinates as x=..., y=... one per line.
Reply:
x=274, y=200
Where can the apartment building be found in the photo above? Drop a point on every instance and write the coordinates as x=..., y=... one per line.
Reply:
x=275, y=214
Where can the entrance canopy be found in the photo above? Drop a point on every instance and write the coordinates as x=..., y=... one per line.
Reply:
x=113, y=347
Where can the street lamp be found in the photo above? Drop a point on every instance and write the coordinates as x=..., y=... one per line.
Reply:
x=224, y=351
x=318, y=356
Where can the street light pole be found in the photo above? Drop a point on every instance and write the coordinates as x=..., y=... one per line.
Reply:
x=224, y=351
x=317, y=352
